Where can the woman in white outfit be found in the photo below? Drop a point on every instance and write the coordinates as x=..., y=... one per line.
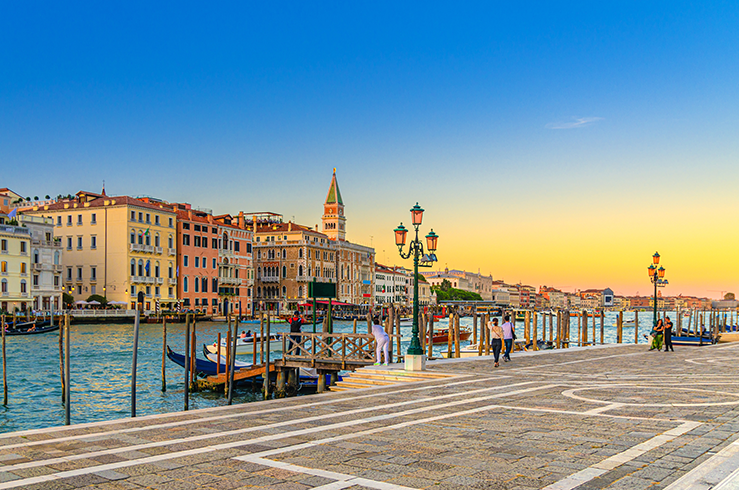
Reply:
x=382, y=340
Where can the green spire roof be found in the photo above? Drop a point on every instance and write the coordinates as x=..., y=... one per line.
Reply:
x=334, y=194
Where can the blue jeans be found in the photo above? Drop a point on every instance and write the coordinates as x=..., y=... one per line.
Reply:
x=508, y=348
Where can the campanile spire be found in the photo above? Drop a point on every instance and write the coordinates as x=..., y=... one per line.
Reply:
x=333, y=219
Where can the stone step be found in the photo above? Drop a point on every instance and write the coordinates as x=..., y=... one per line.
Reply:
x=349, y=384
x=368, y=380
x=388, y=377
x=402, y=372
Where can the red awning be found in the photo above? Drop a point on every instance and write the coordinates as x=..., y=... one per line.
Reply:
x=324, y=302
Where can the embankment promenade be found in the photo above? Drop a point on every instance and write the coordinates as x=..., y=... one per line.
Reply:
x=614, y=416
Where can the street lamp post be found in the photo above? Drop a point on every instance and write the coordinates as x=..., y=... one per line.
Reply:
x=420, y=259
x=656, y=275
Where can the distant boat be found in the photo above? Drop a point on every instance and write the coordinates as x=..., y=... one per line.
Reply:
x=442, y=336
x=31, y=328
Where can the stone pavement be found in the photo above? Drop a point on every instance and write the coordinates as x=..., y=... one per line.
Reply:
x=599, y=417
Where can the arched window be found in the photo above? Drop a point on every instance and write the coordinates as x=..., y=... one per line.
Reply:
x=35, y=257
x=300, y=253
x=184, y=284
x=284, y=253
x=225, y=241
x=259, y=291
x=300, y=270
x=148, y=269
x=133, y=267
x=4, y=286
x=141, y=267
x=23, y=286
x=284, y=271
x=196, y=282
x=170, y=271
x=300, y=291
x=141, y=237
x=156, y=269
x=284, y=291
x=148, y=239
x=133, y=237
x=156, y=240
x=170, y=241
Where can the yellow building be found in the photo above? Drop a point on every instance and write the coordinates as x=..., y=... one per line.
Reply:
x=116, y=247
x=15, y=264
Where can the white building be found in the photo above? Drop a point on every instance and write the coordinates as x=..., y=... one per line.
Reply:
x=392, y=285
x=46, y=262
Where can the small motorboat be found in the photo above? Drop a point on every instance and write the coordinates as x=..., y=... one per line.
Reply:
x=442, y=336
x=245, y=345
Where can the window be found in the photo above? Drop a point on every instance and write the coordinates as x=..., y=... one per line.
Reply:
x=23, y=286
x=69, y=220
x=156, y=270
x=169, y=271
x=214, y=243
x=215, y=285
x=300, y=253
x=93, y=242
x=79, y=243
x=185, y=261
x=196, y=283
x=205, y=285
x=205, y=242
x=196, y=227
x=59, y=221
x=4, y=285
x=215, y=266
x=133, y=215
x=197, y=300
x=93, y=273
x=35, y=257
x=24, y=250
x=170, y=292
x=141, y=217
x=93, y=218
x=148, y=218
x=214, y=230
x=23, y=268
x=156, y=240
x=236, y=245
x=156, y=290
x=248, y=248
x=148, y=237
x=4, y=246
x=140, y=268
x=184, y=285
x=170, y=222
x=170, y=243
x=148, y=290
x=133, y=267
x=197, y=262
x=284, y=271
x=79, y=273
x=56, y=281
x=156, y=219
x=148, y=268
x=133, y=291
x=133, y=237
x=196, y=241
x=69, y=273
x=69, y=243
x=186, y=240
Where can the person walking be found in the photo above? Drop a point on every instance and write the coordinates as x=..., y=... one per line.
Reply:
x=668, y=335
x=496, y=339
x=657, y=332
x=509, y=333
x=296, y=322
x=382, y=341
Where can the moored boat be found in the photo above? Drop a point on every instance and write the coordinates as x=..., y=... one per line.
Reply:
x=245, y=345
x=442, y=336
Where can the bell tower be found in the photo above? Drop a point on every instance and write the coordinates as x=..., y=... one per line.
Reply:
x=333, y=219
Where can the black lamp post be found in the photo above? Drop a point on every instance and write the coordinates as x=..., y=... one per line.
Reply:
x=656, y=275
x=420, y=259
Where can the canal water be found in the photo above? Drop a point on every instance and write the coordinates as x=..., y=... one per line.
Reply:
x=101, y=370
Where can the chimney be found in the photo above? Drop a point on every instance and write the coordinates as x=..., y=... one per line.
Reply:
x=189, y=213
x=289, y=226
x=242, y=222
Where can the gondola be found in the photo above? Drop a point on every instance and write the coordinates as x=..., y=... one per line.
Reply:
x=27, y=328
x=442, y=336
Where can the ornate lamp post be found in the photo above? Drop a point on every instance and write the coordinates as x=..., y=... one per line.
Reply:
x=656, y=275
x=420, y=259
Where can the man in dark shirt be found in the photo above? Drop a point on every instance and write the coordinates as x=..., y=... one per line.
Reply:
x=296, y=321
x=668, y=335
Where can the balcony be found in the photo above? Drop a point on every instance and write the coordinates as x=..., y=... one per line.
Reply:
x=24, y=295
x=158, y=250
x=137, y=247
x=171, y=252
x=37, y=266
x=270, y=279
x=57, y=268
x=303, y=278
x=160, y=280
x=172, y=281
x=229, y=280
x=225, y=253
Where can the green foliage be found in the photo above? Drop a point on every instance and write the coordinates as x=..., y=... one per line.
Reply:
x=421, y=278
x=445, y=285
x=68, y=300
x=35, y=198
x=451, y=294
x=48, y=196
x=98, y=298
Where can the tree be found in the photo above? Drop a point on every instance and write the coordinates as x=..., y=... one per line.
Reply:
x=100, y=299
x=445, y=285
x=67, y=300
x=35, y=198
x=48, y=196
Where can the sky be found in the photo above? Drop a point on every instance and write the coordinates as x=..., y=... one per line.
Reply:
x=550, y=143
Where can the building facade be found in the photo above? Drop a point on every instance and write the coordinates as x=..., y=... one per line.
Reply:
x=116, y=247
x=46, y=263
x=15, y=266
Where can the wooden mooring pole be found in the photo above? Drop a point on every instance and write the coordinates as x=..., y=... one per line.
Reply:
x=164, y=354
x=67, y=394
x=5, y=365
x=61, y=357
x=187, y=361
x=232, y=357
x=266, y=361
x=636, y=326
x=134, y=359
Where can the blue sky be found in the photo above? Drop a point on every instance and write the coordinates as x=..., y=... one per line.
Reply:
x=502, y=114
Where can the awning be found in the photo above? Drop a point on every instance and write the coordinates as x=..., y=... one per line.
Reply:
x=324, y=302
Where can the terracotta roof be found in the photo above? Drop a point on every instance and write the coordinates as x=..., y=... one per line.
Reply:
x=285, y=227
x=100, y=202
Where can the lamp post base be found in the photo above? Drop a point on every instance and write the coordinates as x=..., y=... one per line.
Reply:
x=415, y=362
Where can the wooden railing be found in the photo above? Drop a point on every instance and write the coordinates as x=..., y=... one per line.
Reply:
x=334, y=348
